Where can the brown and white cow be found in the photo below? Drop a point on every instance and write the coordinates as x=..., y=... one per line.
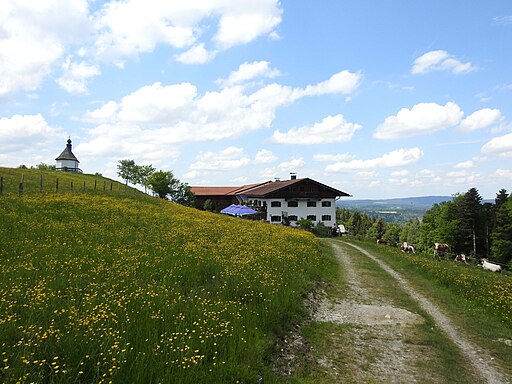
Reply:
x=441, y=247
x=382, y=241
x=461, y=258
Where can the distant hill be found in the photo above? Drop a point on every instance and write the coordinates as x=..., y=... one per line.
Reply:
x=398, y=210
x=422, y=202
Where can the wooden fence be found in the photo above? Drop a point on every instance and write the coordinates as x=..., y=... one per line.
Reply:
x=56, y=185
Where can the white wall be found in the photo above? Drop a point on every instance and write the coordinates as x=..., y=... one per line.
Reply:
x=67, y=163
x=302, y=210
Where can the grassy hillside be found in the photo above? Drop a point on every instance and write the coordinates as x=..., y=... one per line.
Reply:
x=106, y=287
x=53, y=181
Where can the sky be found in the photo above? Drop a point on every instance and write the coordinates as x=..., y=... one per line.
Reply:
x=380, y=99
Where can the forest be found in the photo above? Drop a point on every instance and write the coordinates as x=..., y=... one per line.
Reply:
x=479, y=230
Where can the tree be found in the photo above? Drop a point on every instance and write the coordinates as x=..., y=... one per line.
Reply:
x=45, y=167
x=502, y=236
x=126, y=169
x=166, y=186
x=471, y=236
x=208, y=205
x=142, y=173
x=305, y=223
x=162, y=183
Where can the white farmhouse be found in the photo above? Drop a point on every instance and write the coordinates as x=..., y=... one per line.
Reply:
x=278, y=202
x=67, y=161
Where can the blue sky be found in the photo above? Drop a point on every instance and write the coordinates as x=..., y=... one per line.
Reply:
x=378, y=99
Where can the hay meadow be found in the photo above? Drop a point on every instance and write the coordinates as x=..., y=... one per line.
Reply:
x=116, y=287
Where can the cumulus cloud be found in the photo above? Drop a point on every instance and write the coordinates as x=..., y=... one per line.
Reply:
x=170, y=115
x=336, y=157
x=30, y=45
x=332, y=129
x=500, y=145
x=440, y=61
x=465, y=164
x=292, y=165
x=402, y=173
x=343, y=82
x=392, y=159
x=229, y=158
x=264, y=157
x=505, y=173
x=74, y=78
x=249, y=71
x=422, y=118
x=21, y=134
x=482, y=118
x=196, y=55
x=136, y=26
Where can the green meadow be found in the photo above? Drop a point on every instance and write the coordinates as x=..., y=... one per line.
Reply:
x=100, y=287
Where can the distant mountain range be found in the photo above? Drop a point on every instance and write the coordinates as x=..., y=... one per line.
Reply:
x=416, y=203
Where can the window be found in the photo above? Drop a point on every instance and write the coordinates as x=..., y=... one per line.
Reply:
x=326, y=217
x=275, y=219
x=311, y=217
x=292, y=218
x=293, y=203
x=275, y=204
x=311, y=203
x=326, y=203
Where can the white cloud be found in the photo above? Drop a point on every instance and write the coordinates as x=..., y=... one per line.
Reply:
x=426, y=173
x=343, y=82
x=465, y=165
x=482, y=118
x=401, y=173
x=332, y=129
x=243, y=21
x=166, y=116
x=501, y=144
x=440, y=61
x=264, y=157
x=229, y=158
x=502, y=20
x=29, y=140
x=74, y=78
x=128, y=28
x=506, y=173
x=396, y=158
x=249, y=71
x=337, y=157
x=196, y=55
x=294, y=164
x=422, y=118
x=365, y=175
x=33, y=37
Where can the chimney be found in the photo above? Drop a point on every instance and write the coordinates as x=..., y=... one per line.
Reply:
x=293, y=176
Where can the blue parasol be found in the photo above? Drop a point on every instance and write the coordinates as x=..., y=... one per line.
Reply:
x=238, y=210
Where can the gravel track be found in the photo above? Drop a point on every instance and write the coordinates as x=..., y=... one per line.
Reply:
x=479, y=358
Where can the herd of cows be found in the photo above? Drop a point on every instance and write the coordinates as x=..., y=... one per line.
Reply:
x=444, y=249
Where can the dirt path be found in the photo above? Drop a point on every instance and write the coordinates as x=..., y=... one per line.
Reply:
x=380, y=326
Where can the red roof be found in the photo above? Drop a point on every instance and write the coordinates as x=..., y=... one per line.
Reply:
x=260, y=189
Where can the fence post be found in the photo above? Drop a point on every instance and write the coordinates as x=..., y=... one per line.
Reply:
x=71, y=185
x=41, y=184
x=57, y=185
x=84, y=186
x=94, y=184
x=110, y=185
x=104, y=184
x=1, y=185
x=20, y=189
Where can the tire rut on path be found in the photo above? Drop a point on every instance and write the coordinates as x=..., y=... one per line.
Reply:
x=476, y=356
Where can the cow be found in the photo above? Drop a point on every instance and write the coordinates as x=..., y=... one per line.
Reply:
x=461, y=258
x=382, y=241
x=490, y=266
x=441, y=247
x=406, y=248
